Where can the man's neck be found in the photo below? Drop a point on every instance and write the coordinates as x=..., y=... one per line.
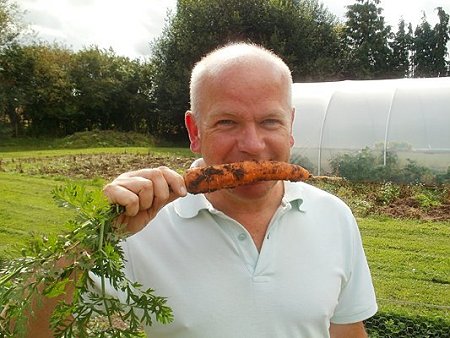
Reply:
x=253, y=214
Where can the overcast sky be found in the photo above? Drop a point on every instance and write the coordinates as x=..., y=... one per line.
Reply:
x=128, y=26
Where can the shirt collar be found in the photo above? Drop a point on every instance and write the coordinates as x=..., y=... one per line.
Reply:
x=191, y=205
x=294, y=193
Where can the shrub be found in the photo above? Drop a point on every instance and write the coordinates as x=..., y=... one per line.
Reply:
x=367, y=165
x=428, y=197
x=304, y=161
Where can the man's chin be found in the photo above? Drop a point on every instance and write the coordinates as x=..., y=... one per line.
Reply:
x=255, y=190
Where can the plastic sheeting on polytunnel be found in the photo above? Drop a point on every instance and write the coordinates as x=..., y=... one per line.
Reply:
x=409, y=116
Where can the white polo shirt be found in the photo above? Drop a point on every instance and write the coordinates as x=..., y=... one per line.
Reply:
x=311, y=269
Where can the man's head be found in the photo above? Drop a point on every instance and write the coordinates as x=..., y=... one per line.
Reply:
x=241, y=106
x=233, y=55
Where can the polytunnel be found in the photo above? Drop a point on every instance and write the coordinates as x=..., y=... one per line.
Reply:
x=408, y=116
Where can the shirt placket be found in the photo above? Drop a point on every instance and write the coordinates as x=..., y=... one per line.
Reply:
x=259, y=264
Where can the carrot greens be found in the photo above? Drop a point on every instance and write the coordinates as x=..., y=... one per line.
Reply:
x=90, y=250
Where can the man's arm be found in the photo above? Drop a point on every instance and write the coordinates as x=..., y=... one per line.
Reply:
x=354, y=330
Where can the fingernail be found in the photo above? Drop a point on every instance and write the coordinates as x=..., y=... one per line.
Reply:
x=183, y=191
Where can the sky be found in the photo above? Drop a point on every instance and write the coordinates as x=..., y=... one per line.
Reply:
x=129, y=26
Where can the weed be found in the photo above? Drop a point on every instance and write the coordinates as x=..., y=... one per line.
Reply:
x=428, y=199
x=389, y=192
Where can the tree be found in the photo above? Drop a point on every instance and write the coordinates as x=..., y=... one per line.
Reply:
x=16, y=67
x=442, y=35
x=302, y=32
x=10, y=28
x=424, y=43
x=10, y=23
x=430, y=47
x=366, y=41
x=401, y=46
x=51, y=105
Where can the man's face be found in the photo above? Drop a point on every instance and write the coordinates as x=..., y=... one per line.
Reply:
x=245, y=115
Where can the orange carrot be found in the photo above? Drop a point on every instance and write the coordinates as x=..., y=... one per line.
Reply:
x=232, y=175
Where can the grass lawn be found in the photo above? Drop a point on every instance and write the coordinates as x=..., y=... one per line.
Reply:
x=27, y=207
x=410, y=264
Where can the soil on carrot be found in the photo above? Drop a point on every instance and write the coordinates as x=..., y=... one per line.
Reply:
x=398, y=201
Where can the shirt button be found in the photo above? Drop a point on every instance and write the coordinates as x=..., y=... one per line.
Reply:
x=242, y=236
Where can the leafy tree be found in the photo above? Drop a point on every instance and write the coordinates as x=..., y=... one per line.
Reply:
x=401, y=46
x=366, y=41
x=442, y=33
x=424, y=43
x=49, y=90
x=301, y=31
x=10, y=23
x=93, y=88
x=430, y=47
x=16, y=67
x=10, y=29
x=36, y=91
x=129, y=103
x=51, y=105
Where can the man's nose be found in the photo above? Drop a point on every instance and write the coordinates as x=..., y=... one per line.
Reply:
x=250, y=140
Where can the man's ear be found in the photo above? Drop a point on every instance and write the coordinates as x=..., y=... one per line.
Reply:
x=291, y=140
x=193, y=131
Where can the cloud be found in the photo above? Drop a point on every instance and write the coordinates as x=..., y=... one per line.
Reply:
x=40, y=18
x=130, y=26
x=81, y=3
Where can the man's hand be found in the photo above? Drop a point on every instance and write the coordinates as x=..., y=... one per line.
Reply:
x=143, y=193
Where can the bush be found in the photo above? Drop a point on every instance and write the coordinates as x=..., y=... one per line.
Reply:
x=367, y=165
x=305, y=162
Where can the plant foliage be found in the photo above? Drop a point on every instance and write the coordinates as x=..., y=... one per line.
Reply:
x=49, y=265
x=367, y=165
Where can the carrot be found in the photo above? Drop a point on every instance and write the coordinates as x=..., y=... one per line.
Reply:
x=232, y=175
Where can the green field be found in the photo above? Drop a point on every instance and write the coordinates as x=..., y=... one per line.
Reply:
x=27, y=207
x=409, y=259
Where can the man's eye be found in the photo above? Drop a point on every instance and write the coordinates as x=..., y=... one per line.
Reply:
x=225, y=122
x=271, y=122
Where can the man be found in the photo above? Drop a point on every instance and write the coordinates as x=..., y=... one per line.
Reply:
x=271, y=259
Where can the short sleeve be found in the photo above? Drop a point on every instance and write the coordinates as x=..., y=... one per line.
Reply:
x=357, y=300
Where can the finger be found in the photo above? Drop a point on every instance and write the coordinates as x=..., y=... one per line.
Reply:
x=160, y=192
x=117, y=194
x=141, y=187
x=168, y=185
x=153, y=190
x=146, y=189
x=175, y=182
